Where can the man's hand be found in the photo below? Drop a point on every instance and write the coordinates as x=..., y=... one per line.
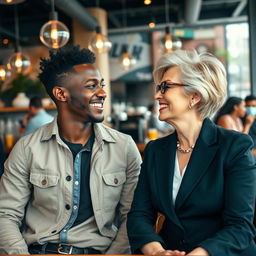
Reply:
x=170, y=252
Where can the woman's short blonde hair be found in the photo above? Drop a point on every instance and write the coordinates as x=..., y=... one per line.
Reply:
x=204, y=74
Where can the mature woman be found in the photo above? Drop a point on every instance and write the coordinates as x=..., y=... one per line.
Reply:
x=231, y=113
x=201, y=177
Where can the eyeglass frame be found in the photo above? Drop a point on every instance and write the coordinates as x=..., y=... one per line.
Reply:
x=165, y=85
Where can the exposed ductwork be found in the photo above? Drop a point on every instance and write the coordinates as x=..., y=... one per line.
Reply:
x=76, y=11
x=192, y=11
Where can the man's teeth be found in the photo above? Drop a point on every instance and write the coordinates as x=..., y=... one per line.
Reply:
x=97, y=105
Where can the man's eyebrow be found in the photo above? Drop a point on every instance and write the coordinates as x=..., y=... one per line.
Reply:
x=94, y=80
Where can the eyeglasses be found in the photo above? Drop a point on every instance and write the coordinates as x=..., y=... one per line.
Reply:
x=166, y=85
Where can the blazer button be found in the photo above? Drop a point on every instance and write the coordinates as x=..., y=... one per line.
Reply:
x=67, y=207
x=43, y=182
x=115, y=180
x=68, y=178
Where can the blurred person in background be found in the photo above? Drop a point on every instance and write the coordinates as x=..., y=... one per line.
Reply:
x=202, y=177
x=231, y=114
x=250, y=104
x=35, y=118
x=2, y=158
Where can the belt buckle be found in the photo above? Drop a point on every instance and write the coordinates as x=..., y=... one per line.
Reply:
x=61, y=252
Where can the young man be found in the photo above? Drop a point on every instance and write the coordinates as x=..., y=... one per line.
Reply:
x=74, y=178
x=36, y=116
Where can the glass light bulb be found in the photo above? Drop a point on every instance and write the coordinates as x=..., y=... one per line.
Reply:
x=127, y=61
x=100, y=43
x=54, y=34
x=11, y=1
x=18, y=62
x=2, y=73
x=168, y=43
x=147, y=2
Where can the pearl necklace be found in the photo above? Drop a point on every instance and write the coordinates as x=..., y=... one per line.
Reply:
x=184, y=150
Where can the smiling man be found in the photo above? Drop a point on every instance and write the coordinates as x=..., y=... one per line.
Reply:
x=71, y=182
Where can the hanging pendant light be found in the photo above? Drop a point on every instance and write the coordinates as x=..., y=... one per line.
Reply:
x=100, y=43
x=54, y=34
x=171, y=43
x=11, y=1
x=4, y=72
x=18, y=62
x=126, y=60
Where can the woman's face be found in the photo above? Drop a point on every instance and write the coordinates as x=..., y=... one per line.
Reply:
x=173, y=103
x=241, y=109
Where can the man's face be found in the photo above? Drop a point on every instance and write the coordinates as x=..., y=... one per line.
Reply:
x=250, y=103
x=86, y=93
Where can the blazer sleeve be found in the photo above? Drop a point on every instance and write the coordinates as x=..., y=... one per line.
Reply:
x=142, y=216
x=239, y=200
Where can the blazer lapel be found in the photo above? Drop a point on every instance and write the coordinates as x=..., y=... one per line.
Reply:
x=165, y=160
x=202, y=155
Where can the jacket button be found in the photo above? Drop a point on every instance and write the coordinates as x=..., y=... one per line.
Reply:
x=43, y=182
x=67, y=206
x=115, y=180
x=68, y=178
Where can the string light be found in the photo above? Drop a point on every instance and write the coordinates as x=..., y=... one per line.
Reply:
x=147, y=2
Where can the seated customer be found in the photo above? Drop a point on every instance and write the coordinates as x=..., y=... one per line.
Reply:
x=250, y=104
x=229, y=116
x=201, y=177
x=2, y=158
x=36, y=117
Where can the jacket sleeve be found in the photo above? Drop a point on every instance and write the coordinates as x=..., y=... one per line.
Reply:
x=14, y=195
x=142, y=216
x=239, y=200
x=120, y=244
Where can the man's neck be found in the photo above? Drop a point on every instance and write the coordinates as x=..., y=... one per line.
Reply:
x=74, y=131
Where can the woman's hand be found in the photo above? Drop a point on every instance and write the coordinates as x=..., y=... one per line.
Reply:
x=155, y=248
x=198, y=252
x=170, y=252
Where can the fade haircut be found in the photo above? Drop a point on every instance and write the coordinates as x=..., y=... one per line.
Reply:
x=60, y=63
x=36, y=102
x=204, y=74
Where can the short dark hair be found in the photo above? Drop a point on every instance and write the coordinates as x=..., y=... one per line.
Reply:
x=36, y=102
x=62, y=61
x=250, y=97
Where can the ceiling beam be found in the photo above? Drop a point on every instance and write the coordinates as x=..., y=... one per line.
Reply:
x=239, y=8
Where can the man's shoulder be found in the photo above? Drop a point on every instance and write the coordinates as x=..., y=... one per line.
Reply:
x=113, y=132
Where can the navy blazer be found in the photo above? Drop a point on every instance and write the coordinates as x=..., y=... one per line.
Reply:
x=215, y=203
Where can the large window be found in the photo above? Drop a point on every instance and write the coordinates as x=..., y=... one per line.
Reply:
x=237, y=36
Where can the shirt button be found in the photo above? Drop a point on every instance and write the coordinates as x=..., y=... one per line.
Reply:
x=43, y=182
x=67, y=206
x=115, y=180
x=76, y=182
x=74, y=207
x=64, y=230
x=68, y=178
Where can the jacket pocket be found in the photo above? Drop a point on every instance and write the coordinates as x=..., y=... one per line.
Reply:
x=112, y=189
x=44, y=180
x=46, y=191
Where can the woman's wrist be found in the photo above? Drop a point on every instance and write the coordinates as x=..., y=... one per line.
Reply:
x=152, y=248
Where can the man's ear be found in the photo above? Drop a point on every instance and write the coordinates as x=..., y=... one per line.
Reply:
x=60, y=93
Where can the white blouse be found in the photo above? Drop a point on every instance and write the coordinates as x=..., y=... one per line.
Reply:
x=177, y=178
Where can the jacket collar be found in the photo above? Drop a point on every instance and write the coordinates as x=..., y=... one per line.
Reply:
x=102, y=132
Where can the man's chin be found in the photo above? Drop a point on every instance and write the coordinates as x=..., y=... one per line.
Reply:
x=96, y=119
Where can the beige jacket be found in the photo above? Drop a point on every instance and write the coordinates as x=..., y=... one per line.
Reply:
x=35, y=176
